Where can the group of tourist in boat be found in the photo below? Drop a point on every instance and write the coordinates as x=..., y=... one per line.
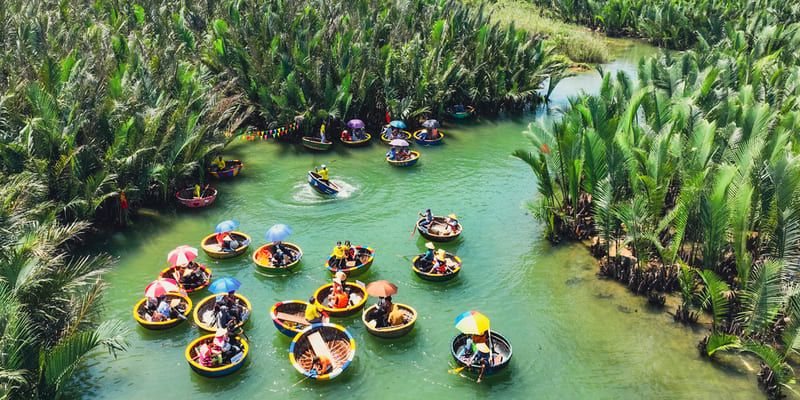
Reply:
x=386, y=314
x=399, y=153
x=320, y=349
x=354, y=135
x=189, y=276
x=228, y=312
x=161, y=308
x=220, y=351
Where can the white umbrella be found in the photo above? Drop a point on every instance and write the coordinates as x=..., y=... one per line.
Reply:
x=399, y=143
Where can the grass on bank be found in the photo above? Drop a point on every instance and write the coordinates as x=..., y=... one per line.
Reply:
x=578, y=43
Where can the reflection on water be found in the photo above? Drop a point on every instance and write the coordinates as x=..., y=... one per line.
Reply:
x=574, y=336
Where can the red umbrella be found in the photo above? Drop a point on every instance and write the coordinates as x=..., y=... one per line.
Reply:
x=160, y=287
x=182, y=255
x=381, y=288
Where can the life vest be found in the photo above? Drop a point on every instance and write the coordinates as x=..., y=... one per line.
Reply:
x=342, y=300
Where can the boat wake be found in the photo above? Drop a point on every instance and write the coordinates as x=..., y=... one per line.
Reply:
x=305, y=194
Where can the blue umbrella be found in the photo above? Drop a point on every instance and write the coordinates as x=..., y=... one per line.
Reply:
x=224, y=285
x=226, y=226
x=355, y=124
x=278, y=232
x=398, y=124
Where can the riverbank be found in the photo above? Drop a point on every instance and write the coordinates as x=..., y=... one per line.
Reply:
x=578, y=43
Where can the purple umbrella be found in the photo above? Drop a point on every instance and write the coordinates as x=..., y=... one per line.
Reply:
x=355, y=124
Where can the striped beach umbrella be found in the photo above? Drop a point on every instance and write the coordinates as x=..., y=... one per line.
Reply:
x=472, y=323
x=160, y=287
x=181, y=255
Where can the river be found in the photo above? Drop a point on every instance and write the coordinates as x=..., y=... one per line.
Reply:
x=574, y=335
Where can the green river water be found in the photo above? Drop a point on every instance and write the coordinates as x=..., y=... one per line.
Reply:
x=574, y=336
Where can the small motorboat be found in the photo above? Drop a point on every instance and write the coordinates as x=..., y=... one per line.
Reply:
x=214, y=250
x=428, y=142
x=186, y=197
x=439, y=230
x=358, y=143
x=391, y=332
x=229, y=366
x=407, y=162
x=263, y=258
x=189, y=285
x=500, y=354
x=204, y=312
x=322, y=186
x=362, y=260
x=289, y=317
x=331, y=341
x=143, y=318
x=315, y=143
x=358, y=298
x=423, y=271
x=231, y=170
x=464, y=113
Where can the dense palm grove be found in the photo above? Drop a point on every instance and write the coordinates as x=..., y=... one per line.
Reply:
x=109, y=98
x=689, y=181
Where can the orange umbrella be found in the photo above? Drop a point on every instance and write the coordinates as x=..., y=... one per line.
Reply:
x=381, y=288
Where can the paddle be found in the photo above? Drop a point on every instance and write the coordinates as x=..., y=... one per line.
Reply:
x=203, y=193
x=413, y=231
x=301, y=380
x=459, y=369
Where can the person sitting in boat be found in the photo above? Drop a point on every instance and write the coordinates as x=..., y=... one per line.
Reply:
x=346, y=136
x=320, y=365
x=226, y=242
x=459, y=108
x=322, y=133
x=312, y=314
x=392, y=153
x=440, y=262
x=403, y=154
x=165, y=310
x=192, y=275
x=218, y=164
x=358, y=134
x=423, y=134
x=397, y=317
x=434, y=134
x=205, y=355
x=228, y=346
x=338, y=255
x=425, y=262
x=196, y=192
x=222, y=315
x=452, y=222
x=279, y=254
x=339, y=281
x=388, y=131
x=427, y=219
x=341, y=300
x=324, y=175
x=349, y=251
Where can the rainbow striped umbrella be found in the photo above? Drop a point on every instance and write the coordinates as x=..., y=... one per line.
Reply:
x=182, y=255
x=472, y=323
